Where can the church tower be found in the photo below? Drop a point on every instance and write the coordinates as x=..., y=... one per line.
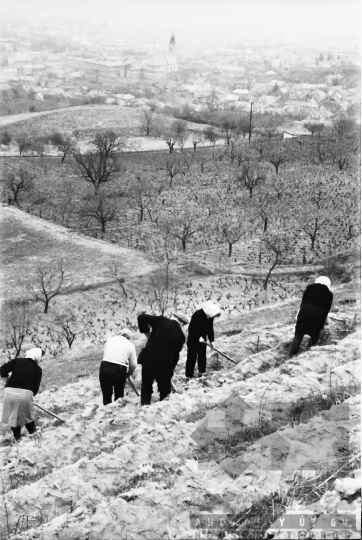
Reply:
x=172, y=44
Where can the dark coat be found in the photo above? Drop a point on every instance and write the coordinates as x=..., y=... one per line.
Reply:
x=200, y=326
x=319, y=295
x=316, y=303
x=165, y=342
x=25, y=373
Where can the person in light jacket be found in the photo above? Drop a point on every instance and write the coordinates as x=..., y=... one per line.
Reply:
x=201, y=325
x=119, y=362
x=161, y=353
x=316, y=303
x=20, y=388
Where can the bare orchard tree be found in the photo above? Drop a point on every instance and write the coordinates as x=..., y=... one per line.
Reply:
x=147, y=122
x=278, y=248
x=277, y=154
x=230, y=231
x=179, y=132
x=23, y=143
x=116, y=272
x=251, y=176
x=315, y=127
x=17, y=183
x=102, y=164
x=183, y=226
x=102, y=209
x=212, y=136
x=141, y=196
x=197, y=138
x=68, y=325
x=228, y=126
x=65, y=143
x=49, y=281
x=260, y=144
x=16, y=326
x=164, y=286
x=68, y=191
x=173, y=167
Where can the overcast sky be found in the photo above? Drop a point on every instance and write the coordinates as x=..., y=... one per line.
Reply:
x=334, y=19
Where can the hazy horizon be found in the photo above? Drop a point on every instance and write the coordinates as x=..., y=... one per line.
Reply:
x=332, y=21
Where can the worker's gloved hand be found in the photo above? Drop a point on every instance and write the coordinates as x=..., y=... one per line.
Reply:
x=211, y=345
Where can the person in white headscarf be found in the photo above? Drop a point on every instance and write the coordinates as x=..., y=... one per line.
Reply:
x=313, y=313
x=119, y=362
x=20, y=388
x=201, y=326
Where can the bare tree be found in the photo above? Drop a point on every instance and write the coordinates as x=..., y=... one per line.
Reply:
x=251, y=176
x=314, y=127
x=19, y=182
x=179, y=132
x=260, y=144
x=228, y=126
x=23, y=143
x=38, y=146
x=68, y=191
x=69, y=325
x=102, y=210
x=211, y=135
x=65, y=143
x=147, y=122
x=49, y=282
x=183, y=226
x=116, y=272
x=164, y=286
x=141, y=196
x=243, y=125
x=197, y=138
x=230, y=232
x=343, y=126
x=173, y=168
x=277, y=155
x=103, y=164
x=278, y=247
x=16, y=326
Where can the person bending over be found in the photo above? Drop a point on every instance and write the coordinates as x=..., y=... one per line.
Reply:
x=161, y=353
x=201, y=325
x=316, y=303
x=20, y=388
x=119, y=362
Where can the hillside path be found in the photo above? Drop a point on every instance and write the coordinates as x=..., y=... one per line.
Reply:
x=13, y=118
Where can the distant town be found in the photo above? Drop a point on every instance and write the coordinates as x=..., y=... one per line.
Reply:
x=52, y=67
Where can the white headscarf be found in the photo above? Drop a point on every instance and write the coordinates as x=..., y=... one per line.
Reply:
x=126, y=332
x=324, y=280
x=210, y=309
x=35, y=354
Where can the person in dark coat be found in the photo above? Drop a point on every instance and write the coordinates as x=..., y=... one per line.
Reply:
x=20, y=388
x=161, y=353
x=316, y=303
x=201, y=325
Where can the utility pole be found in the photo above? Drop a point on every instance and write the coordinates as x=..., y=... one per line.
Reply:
x=251, y=116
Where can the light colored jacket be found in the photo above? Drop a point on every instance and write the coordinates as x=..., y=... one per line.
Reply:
x=119, y=350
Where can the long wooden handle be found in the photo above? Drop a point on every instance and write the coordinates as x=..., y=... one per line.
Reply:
x=48, y=412
x=217, y=350
x=133, y=386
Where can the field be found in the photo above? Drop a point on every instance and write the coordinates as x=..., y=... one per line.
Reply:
x=226, y=227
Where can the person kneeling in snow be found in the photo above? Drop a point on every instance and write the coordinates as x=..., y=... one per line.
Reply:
x=313, y=313
x=119, y=362
x=20, y=389
x=201, y=325
x=161, y=353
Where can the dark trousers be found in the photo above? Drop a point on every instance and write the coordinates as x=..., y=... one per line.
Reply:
x=294, y=348
x=162, y=375
x=195, y=350
x=17, y=430
x=112, y=378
